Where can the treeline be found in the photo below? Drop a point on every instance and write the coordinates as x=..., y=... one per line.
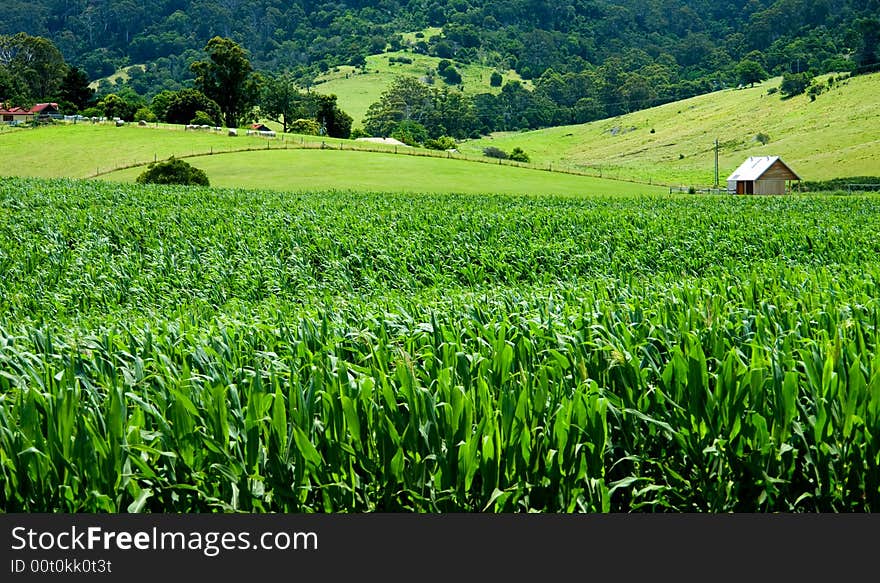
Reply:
x=697, y=40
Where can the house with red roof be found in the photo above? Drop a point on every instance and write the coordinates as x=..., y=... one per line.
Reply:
x=22, y=115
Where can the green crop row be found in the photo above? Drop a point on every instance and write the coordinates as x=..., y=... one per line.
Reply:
x=194, y=350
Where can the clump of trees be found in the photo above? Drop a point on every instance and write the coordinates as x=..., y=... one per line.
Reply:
x=228, y=78
x=173, y=171
x=516, y=155
x=304, y=113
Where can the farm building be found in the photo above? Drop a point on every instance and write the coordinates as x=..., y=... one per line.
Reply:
x=762, y=175
x=15, y=115
x=21, y=115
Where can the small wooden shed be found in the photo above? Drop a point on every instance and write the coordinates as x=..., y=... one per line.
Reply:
x=762, y=175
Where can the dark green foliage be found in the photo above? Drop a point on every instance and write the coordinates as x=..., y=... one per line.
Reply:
x=441, y=143
x=173, y=171
x=34, y=64
x=333, y=121
x=493, y=152
x=75, y=89
x=519, y=155
x=794, y=84
x=410, y=133
x=750, y=72
x=762, y=138
x=181, y=107
x=868, y=55
x=496, y=79
x=116, y=106
x=228, y=78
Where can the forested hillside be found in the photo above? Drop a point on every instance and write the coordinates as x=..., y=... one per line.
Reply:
x=681, y=39
x=587, y=59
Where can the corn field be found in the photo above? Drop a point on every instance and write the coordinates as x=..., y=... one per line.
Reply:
x=170, y=349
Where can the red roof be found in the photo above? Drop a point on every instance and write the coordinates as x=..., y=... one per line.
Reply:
x=42, y=106
x=38, y=108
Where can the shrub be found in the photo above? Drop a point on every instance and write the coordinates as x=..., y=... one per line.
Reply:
x=496, y=79
x=493, y=152
x=450, y=75
x=519, y=155
x=359, y=133
x=410, y=133
x=146, y=114
x=762, y=138
x=173, y=171
x=441, y=143
x=202, y=118
x=308, y=127
x=794, y=83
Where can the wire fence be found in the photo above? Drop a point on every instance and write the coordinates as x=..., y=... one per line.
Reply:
x=294, y=142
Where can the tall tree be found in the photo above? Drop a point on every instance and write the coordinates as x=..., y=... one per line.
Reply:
x=750, y=72
x=75, y=89
x=333, y=121
x=35, y=61
x=228, y=78
x=283, y=102
x=867, y=55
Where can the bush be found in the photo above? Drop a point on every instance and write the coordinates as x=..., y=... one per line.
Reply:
x=493, y=152
x=145, y=114
x=519, y=155
x=794, y=84
x=410, y=133
x=441, y=143
x=308, y=127
x=173, y=171
x=359, y=133
x=762, y=138
x=496, y=79
x=202, y=118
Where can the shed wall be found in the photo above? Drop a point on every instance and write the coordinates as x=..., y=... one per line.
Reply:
x=770, y=186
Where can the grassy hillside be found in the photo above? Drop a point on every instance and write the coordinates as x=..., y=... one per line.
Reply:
x=673, y=144
x=86, y=150
x=358, y=89
x=301, y=170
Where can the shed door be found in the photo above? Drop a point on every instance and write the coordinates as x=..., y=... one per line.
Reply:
x=740, y=187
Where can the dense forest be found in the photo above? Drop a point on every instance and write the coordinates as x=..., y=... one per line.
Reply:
x=587, y=58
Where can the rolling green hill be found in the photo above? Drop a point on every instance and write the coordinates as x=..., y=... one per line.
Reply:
x=310, y=170
x=834, y=136
x=357, y=89
x=83, y=151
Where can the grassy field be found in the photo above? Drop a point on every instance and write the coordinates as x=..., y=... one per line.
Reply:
x=357, y=89
x=86, y=150
x=300, y=170
x=834, y=136
x=171, y=349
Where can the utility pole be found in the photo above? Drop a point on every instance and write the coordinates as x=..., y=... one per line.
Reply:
x=716, y=162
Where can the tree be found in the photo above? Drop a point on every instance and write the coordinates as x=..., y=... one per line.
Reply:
x=228, y=78
x=867, y=55
x=115, y=106
x=407, y=99
x=35, y=62
x=173, y=171
x=750, y=72
x=496, y=79
x=75, y=89
x=335, y=122
x=794, y=84
x=410, y=133
x=184, y=104
x=282, y=101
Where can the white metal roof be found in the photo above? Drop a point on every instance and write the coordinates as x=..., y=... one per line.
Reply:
x=754, y=168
